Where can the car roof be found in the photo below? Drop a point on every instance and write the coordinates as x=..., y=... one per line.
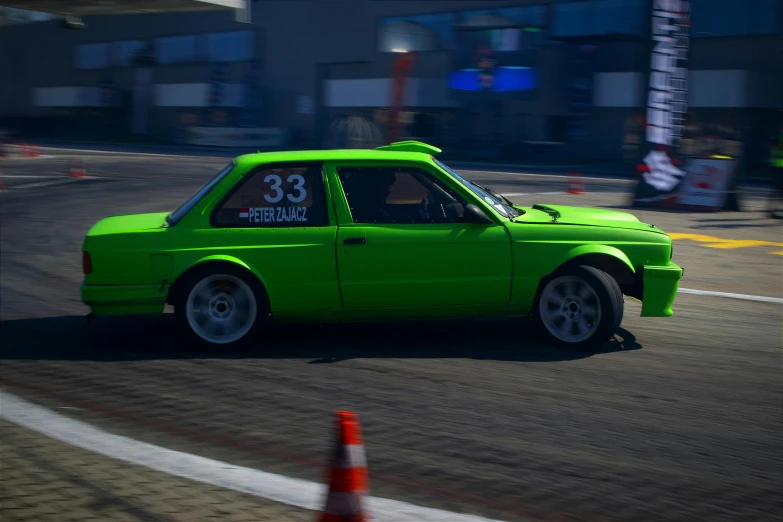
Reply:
x=399, y=151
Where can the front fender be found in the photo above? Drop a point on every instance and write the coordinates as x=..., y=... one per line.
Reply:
x=583, y=250
x=528, y=280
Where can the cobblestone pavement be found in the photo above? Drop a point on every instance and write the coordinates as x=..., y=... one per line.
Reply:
x=679, y=421
x=44, y=480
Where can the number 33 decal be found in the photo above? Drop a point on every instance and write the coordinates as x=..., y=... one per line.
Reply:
x=276, y=182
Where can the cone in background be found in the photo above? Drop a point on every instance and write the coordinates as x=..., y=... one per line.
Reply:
x=575, y=185
x=29, y=151
x=78, y=170
x=348, y=484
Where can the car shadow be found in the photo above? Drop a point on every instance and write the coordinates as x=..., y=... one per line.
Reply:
x=131, y=338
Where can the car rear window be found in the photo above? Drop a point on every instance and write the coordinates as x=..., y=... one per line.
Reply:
x=279, y=196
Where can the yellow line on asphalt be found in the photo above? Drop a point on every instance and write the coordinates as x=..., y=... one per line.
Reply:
x=719, y=242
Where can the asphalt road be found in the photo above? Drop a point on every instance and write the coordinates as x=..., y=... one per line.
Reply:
x=679, y=419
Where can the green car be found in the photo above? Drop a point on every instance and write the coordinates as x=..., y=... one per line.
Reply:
x=366, y=235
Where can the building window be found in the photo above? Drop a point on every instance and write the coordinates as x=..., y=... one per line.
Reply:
x=432, y=32
x=711, y=18
x=599, y=17
x=235, y=46
x=123, y=53
x=175, y=49
x=532, y=15
x=92, y=56
x=513, y=29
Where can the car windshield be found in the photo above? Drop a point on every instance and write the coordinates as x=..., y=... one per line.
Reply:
x=499, y=202
x=174, y=218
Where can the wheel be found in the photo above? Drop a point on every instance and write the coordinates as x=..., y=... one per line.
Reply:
x=579, y=308
x=221, y=307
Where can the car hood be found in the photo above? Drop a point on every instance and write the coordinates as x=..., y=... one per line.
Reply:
x=596, y=217
x=128, y=224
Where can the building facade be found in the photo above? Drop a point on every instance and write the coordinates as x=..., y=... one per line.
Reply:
x=490, y=79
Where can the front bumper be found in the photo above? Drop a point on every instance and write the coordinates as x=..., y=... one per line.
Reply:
x=659, y=288
x=124, y=299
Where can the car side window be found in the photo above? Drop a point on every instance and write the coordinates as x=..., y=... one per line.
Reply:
x=279, y=196
x=399, y=195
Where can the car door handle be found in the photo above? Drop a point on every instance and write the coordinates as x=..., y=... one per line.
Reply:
x=355, y=240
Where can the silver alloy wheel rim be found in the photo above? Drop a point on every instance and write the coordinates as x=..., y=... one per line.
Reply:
x=221, y=308
x=570, y=309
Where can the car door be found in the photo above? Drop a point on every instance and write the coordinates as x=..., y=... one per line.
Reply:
x=402, y=241
x=278, y=221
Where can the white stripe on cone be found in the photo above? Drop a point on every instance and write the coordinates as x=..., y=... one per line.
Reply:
x=351, y=456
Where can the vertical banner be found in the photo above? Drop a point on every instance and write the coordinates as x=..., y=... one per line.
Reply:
x=581, y=92
x=666, y=104
x=486, y=63
x=401, y=69
x=252, y=95
x=109, y=94
x=109, y=102
x=215, y=95
x=142, y=93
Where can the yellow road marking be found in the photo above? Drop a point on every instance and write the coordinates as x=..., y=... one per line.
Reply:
x=719, y=242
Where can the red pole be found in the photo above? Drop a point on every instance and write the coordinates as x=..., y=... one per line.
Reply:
x=401, y=68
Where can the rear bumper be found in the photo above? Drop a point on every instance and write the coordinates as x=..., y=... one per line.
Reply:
x=659, y=288
x=123, y=299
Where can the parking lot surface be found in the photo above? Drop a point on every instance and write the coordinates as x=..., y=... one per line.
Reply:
x=678, y=419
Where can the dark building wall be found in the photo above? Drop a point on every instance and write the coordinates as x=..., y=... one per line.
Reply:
x=749, y=52
x=302, y=43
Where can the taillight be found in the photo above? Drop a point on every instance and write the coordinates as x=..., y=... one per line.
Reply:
x=86, y=263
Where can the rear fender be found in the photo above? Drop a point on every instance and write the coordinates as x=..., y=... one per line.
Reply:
x=219, y=258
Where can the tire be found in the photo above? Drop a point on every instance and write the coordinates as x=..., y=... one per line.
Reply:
x=579, y=308
x=611, y=282
x=221, y=307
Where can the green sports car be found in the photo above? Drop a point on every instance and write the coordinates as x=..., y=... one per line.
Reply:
x=367, y=235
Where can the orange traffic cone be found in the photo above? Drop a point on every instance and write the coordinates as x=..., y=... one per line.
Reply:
x=29, y=151
x=78, y=170
x=575, y=185
x=348, y=484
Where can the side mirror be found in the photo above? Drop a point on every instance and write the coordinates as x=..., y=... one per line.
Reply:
x=473, y=214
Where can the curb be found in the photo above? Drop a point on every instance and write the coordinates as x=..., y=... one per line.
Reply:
x=610, y=171
x=566, y=169
x=544, y=169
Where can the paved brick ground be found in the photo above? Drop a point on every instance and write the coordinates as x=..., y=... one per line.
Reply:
x=44, y=480
x=680, y=422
